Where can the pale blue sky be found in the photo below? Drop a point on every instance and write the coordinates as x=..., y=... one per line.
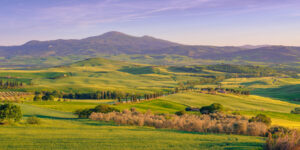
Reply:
x=201, y=22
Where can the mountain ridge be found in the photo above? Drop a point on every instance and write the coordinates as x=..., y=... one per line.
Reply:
x=116, y=43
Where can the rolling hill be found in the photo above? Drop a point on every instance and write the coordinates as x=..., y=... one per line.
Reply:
x=274, y=54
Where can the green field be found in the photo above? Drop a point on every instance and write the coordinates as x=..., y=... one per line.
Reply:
x=251, y=105
x=61, y=130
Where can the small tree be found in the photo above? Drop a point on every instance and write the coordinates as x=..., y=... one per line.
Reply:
x=102, y=108
x=180, y=113
x=10, y=112
x=296, y=110
x=261, y=118
x=213, y=108
x=48, y=97
x=216, y=107
x=33, y=120
x=37, y=98
x=83, y=113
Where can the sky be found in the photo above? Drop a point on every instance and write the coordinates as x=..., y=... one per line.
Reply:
x=193, y=22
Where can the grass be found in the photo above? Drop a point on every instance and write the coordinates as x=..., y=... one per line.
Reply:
x=61, y=130
x=287, y=92
x=110, y=137
x=232, y=102
x=158, y=106
x=69, y=106
x=101, y=74
x=251, y=105
x=286, y=89
x=282, y=119
x=138, y=70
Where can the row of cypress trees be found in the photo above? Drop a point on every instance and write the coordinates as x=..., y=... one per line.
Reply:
x=10, y=84
x=118, y=95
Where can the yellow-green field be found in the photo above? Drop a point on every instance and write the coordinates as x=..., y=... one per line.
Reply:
x=61, y=130
x=98, y=74
x=251, y=105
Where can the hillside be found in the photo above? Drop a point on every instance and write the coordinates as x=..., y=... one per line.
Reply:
x=274, y=54
x=94, y=75
x=104, y=74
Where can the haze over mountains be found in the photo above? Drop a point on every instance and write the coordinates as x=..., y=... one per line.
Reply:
x=115, y=43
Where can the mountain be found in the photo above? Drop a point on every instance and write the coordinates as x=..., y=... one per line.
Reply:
x=111, y=43
x=115, y=43
x=108, y=43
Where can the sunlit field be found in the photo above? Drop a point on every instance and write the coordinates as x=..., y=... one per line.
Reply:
x=62, y=130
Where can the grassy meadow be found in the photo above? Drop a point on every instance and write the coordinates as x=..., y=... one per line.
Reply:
x=61, y=129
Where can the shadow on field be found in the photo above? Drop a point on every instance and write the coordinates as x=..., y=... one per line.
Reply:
x=289, y=93
x=51, y=117
x=79, y=120
x=96, y=123
x=254, y=83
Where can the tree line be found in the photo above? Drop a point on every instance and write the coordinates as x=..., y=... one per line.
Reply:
x=244, y=70
x=10, y=84
x=118, y=95
x=239, y=91
x=231, y=69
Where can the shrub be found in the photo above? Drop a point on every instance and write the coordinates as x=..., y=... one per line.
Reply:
x=33, y=120
x=296, y=110
x=213, y=108
x=10, y=112
x=283, y=140
x=48, y=98
x=180, y=113
x=83, y=113
x=192, y=109
x=210, y=123
x=261, y=118
x=37, y=98
x=278, y=129
x=102, y=108
x=236, y=113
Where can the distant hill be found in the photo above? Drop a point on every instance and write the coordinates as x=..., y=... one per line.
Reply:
x=116, y=43
x=274, y=54
x=253, y=46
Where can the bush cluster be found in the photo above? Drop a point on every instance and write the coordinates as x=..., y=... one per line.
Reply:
x=180, y=113
x=103, y=108
x=33, y=120
x=211, y=123
x=281, y=138
x=261, y=118
x=10, y=112
x=213, y=108
x=296, y=110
